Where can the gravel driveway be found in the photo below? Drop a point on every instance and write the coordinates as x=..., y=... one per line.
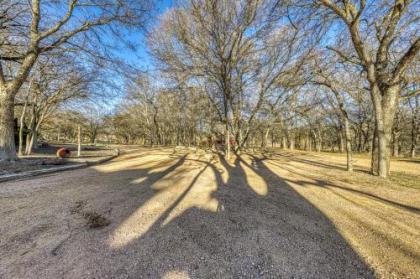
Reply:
x=194, y=215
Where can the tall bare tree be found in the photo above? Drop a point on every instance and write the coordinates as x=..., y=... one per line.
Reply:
x=328, y=78
x=237, y=52
x=38, y=27
x=385, y=42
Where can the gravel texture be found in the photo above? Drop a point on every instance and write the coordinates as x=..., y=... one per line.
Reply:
x=157, y=213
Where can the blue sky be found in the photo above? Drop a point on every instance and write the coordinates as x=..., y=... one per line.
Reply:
x=140, y=57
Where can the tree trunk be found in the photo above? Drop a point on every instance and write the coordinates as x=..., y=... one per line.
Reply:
x=341, y=143
x=309, y=143
x=272, y=138
x=284, y=142
x=319, y=142
x=318, y=146
x=240, y=142
x=414, y=126
x=347, y=133
x=384, y=139
x=385, y=105
x=8, y=92
x=93, y=136
x=374, y=153
x=7, y=133
x=264, y=138
x=227, y=141
x=79, y=144
x=396, y=143
x=35, y=124
x=361, y=146
x=33, y=141
x=292, y=143
x=21, y=124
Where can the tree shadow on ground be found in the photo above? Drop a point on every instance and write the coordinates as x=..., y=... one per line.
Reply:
x=327, y=183
x=294, y=157
x=272, y=235
x=409, y=160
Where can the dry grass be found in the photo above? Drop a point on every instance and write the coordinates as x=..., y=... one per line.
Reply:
x=405, y=179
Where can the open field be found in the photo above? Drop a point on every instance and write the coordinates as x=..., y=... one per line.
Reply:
x=156, y=213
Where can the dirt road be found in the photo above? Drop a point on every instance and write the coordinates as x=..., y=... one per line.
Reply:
x=194, y=215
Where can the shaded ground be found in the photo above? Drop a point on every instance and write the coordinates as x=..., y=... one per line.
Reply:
x=44, y=158
x=194, y=215
x=29, y=164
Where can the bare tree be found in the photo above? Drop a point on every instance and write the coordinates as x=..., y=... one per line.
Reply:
x=55, y=82
x=38, y=27
x=336, y=80
x=414, y=104
x=237, y=53
x=385, y=43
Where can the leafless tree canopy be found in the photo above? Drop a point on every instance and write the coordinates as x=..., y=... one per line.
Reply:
x=311, y=74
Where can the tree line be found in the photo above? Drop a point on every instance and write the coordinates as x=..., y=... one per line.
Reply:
x=312, y=74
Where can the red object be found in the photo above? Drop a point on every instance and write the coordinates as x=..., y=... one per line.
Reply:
x=63, y=152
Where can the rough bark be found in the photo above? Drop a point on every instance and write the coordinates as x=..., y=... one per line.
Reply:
x=374, y=153
x=7, y=134
x=385, y=107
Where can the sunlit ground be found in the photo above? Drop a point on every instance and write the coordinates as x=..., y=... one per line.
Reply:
x=188, y=214
x=348, y=206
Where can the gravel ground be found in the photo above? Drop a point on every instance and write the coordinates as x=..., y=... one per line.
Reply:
x=160, y=214
x=45, y=158
x=27, y=164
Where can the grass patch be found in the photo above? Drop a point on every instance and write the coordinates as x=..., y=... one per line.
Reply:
x=405, y=179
